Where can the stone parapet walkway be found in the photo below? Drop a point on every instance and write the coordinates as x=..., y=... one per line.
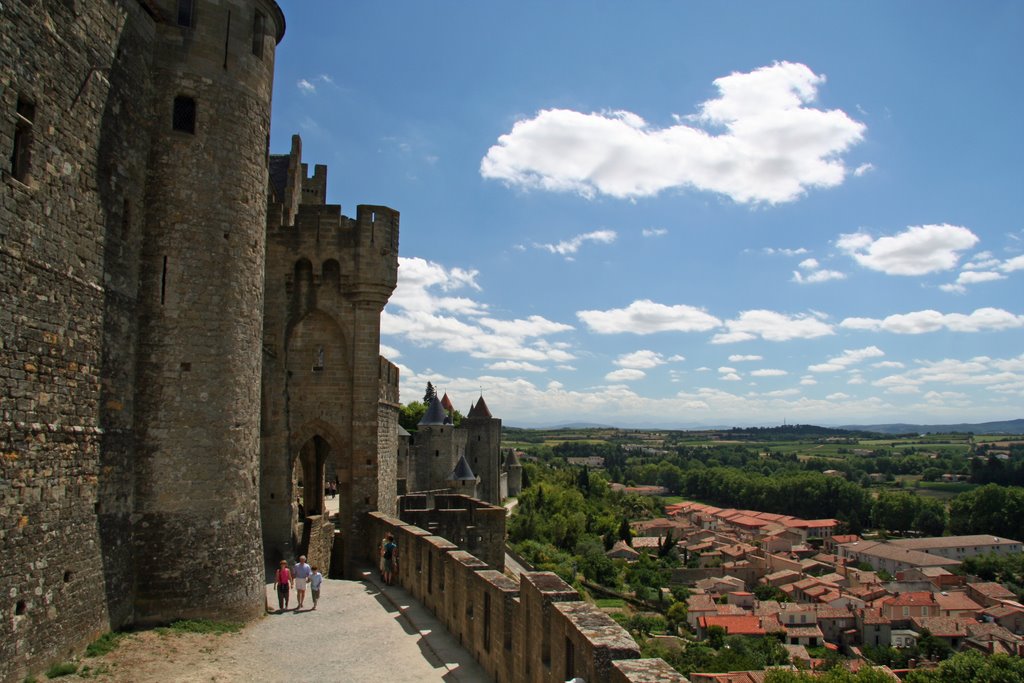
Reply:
x=361, y=632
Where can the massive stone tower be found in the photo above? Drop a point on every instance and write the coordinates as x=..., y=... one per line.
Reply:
x=132, y=211
x=324, y=383
x=483, y=446
x=201, y=291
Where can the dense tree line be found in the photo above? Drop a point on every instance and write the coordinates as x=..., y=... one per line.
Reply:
x=965, y=667
x=721, y=653
x=568, y=517
x=1006, y=569
x=988, y=469
x=991, y=509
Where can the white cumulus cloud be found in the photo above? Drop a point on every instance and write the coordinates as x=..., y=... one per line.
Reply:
x=571, y=246
x=515, y=365
x=863, y=169
x=759, y=141
x=919, y=322
x=641, y=359
x=772, y=326
x=768, y=372
x=647, y=317
x=918, y=250
x=654, y=232
x=424, y=311
x=1010, y=265
x=625, y=375
x=811, y=272
x=739, y=358
x=847, y=358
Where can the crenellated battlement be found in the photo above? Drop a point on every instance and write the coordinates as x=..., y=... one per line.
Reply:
x=388, y=374
x=532, y=629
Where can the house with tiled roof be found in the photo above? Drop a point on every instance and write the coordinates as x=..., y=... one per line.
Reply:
x=883, y=556
x=808, y=635
x=1010, y=617
x=832, y=543
x=813, y=528
x=988, y=593
x=781, y=577
x=746, y=625
x=961, y=547
x=622, y=551
x=905, y=606
x=991, y=638
x=957, y=604
x=697, y=606
x=949, y=629
x=875, y=628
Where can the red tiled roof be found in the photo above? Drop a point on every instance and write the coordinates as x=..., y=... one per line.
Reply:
x=735, y=625
x=910, y=599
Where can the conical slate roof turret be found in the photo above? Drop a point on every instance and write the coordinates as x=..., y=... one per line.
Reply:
x=512, y=460
x=435, y=414
x=462, y=471
x=480, y=409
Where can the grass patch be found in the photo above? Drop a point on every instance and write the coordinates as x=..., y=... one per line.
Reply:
x=610, y=602
x=62, y=669
x=105, y=644
x=204, y=626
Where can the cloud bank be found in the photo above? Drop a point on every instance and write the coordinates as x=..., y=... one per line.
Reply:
x=759, y=141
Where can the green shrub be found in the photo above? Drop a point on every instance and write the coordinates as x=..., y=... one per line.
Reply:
x=62, y=669
x=202, y=626
x=104, y=644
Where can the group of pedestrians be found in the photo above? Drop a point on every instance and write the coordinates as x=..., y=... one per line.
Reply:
x=301, y=575
x=298, y=577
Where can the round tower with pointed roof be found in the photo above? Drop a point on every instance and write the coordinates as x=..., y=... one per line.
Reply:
x=514, y=470
x=433, y=457
x=462, y=480
x=483, y=450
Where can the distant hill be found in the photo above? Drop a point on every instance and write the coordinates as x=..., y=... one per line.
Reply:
x=1001, y=427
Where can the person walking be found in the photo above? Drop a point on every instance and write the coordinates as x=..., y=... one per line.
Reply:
x=315, y=582
x=282, y=580
x=300, y=575
x=389, y=555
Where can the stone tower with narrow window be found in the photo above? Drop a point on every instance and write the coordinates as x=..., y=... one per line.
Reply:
x=330, y=402
x=201, y=281
x=132, y=235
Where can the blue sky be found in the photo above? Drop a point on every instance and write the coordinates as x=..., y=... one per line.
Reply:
x=677, y=213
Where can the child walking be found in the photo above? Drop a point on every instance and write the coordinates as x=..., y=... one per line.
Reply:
x=314, y=585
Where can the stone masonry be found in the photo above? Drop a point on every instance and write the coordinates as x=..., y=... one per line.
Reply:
x=132, y=218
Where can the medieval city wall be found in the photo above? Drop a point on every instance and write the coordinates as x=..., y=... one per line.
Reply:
x=200, y=309
x=471, y=524
x=328, y=277
x=76, y=81
x=86, y=97
x=387, y=438
x=536, y=630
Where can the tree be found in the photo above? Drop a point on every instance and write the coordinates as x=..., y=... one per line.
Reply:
x=409, y=416
x=430, y=394
x=930, y=519
x=676, y=615
x=625, y=533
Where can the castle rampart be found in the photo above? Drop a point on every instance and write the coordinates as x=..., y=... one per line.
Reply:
x=105, y=207
x=201, y=280
x=329, y=400
x=536, y=630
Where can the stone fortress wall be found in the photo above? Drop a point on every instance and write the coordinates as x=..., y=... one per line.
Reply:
x=536, y=630
x=177, y=353
x=328, y=399
x=132, y=204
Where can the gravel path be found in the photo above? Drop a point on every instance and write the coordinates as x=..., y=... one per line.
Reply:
x=357, y=633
